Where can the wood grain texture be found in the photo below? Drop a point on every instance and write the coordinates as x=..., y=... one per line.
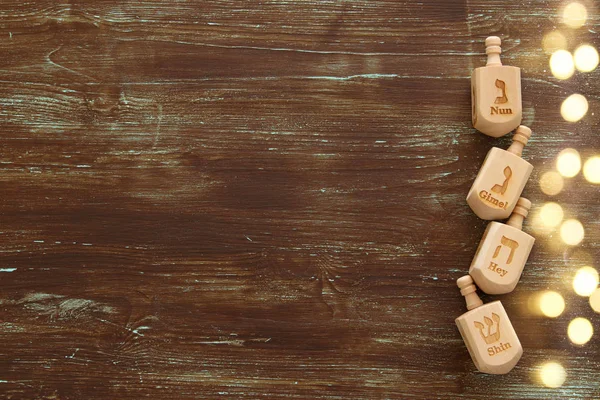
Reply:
x=236, y=199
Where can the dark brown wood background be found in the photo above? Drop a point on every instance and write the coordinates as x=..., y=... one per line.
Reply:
x=266, y=199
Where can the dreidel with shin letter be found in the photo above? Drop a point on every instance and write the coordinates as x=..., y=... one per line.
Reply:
x=501, y=179
x=490, y=338
x=496, y=94
x=502, y=253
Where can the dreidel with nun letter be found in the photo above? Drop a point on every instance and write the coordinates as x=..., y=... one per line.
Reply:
x=490, y=338
x=501, y=179
x=496, y=94
x=502, y=253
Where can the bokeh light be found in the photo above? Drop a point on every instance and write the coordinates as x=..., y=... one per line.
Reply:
x=591, y=169
x=574, y=15
x=586, y=58
x=595, y=300
x=562, y=64
x=551, y=214
x=552, y=304
x=580, y=331
x=574, y=107
x=568, y=163
x=537, y=226
x=571, y=232
x=554, y=41
x=552, y=375
x=551, y=183
x=585, y=281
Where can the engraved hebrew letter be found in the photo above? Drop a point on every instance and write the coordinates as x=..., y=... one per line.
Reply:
x=497, y=251
x=512, y=244
x=490, y=337
x=502, y=188
x=502, y=86
x=496, y=334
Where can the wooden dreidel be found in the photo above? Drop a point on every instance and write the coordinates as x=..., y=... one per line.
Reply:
x=487, y=332
x=496, y=94
x=501, y=179
x=502, y=253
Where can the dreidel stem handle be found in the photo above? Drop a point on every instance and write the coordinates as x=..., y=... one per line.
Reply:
x=468, y=289
x=520, y=139
x=519, y=213
x=493, y=50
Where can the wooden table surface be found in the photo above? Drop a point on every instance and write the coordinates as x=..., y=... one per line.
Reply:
x=266, y=199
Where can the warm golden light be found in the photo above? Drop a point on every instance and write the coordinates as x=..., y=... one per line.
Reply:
x=571, y=232
x=562, y=64
x=574, y=15
x=580, y=331
x=586, y=58
x=585, y=281
x=551, y=214
x=537, y=225
x=591, y=170
x=568, y=163
x=552, y=374
x=551, y=183
x=574, y=107
x=595, y=300
x=552, y=304
x=554, y=41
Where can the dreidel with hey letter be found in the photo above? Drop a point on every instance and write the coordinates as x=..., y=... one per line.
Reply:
x=496, y=94
x=502, y=253
x=501, y=179
x=490, y=338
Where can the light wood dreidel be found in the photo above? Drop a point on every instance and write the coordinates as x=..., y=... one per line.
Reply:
x=501, y=179
x=490, y=338
x=502, y=253
x=496, y=94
